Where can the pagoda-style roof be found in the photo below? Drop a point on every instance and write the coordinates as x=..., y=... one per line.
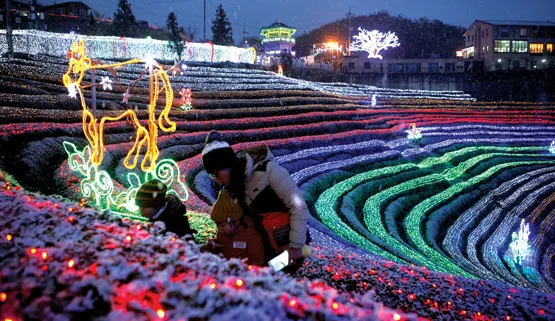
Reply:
x=277, y=28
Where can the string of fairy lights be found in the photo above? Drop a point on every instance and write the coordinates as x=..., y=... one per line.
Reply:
x=453, y=174
x=504, y=228
x=453, y=241
x=110, y=47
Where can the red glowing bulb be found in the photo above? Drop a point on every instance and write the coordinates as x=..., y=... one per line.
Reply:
x=396, y=317
x=161, y=313
x=3, y=296
x=249, y=267
x=541, y=311
x=28, y=199
x=335, y=305
x=212, y=285
x=173, y=239
x=128, y=238
x=138, y=226
x=239, y=282
x=44, y=255
x=70, y=209
x=71, y=219
x=292, y=302
x=33, y=251
x=9, y=237
x=71, y=263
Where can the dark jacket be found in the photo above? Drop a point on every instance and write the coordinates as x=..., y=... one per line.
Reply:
x=174, y=217
x=245, y=242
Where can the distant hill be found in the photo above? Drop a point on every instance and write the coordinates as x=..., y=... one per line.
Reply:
x=419, y=38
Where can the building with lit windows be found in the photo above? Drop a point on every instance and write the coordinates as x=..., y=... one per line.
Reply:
x=277, y=38
x=511, y=44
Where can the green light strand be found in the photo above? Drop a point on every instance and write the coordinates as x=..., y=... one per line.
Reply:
x=99, y=186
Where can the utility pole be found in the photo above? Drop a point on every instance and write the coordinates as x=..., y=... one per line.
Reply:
x=244, y=34
x=204, y=20
x=9, y=36
x=349, y=15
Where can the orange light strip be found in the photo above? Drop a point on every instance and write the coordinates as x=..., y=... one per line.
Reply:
x=79, y=63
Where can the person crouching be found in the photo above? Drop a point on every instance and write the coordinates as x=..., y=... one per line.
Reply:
x=155, y=205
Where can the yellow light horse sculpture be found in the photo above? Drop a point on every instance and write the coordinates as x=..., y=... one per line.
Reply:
x=79, y=63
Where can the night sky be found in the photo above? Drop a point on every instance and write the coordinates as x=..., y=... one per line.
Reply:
x=306, y=15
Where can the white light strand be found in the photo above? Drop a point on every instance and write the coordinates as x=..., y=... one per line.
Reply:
x=108, y=47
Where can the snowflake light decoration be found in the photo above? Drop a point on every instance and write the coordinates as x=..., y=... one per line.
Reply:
x=106, y=83
x=373, y=42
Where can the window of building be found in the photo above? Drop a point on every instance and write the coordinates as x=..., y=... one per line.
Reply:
x=468, y=52
x=523, y=32
x=483, y=33
x=366, y=65
x=549, y=47
x=516, y=64
x=487, y=32
x=82, y=13
x=536, y=48
x=413, y=67
x=504, y=31
x=433, y=67
x=520, y=46
x=351, y=65
x=61, y=10
x=449, y=67
x=396, y=68
x=502, y=46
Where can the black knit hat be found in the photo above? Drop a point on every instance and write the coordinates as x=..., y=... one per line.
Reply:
x=217, y=154
x=151, y=194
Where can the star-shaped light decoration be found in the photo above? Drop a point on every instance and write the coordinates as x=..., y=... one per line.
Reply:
x=72, y=89
x=106, y=83
x=149, y=61
x=126, y=96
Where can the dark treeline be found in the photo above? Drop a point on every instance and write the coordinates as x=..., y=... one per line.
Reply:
x=419, y=38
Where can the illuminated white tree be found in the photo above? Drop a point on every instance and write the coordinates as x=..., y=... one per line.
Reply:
x=519, y=244
x=373, y=42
